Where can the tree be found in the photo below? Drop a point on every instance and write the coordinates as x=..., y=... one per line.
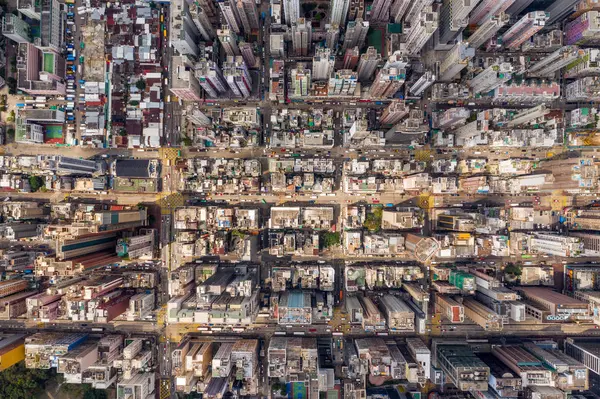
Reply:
x=35, y=182
x=12, y=85
x=18, y=382
x=10, y=134
x=331, y=239
x=141, y=84
x=513, y=269
x=373, y=220
x=186, y=141
x=11, y=117
x=134, y=103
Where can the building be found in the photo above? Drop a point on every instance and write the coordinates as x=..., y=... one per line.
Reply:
x=531, y=370
x=487, y=10
x=301, y=81
x=571, y=374
x=380, y=10
x=398, y=10
x=488, y=28
x=526, y=27
x=302, y=37
x=228, y=40
x=454, y=17
x=140, y=386
x=10, y=287
x=398, y=315
x=248, y=14
x=231, y=15
x=587, y=88
x=562, y=57
x=503, y=380
x=586, y=351
x=528, y=115
x=248, y=54
x=484, y=316
x=323, y=62
x=368, y=64
x=422, y=84
x=394, y=113
x=184, y=34
x=237, y=75
x=458, y=362
x=244, y=355
x=291, y=11
x=333, y=36
x=51, y=17
x=587, y=65
x=424, y=28
x=338, y=12
x=343, y=82
x=40, y=72
x=554, y=306
x=356, y=34
x=211, y=78
x=491, y=78
x=183, y=82
x=294, y=307
x=12, y=350
x=387, y=82
x=16, y=29
x=583, y=29
x=137, y=246
x=455, y=60
x=557, y=245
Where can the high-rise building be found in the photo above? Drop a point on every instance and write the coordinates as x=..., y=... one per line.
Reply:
x=246, y=9
x=399, y=8
x=422, y=84
x=228, y=40
x=291, y=11
x=558, y=10
x=356, y=34
x=524, y=29
x=322, y=64
x=338, y=11
x=248, y=54
x=488, y=9
x=184, y=33
x=16, y=28
x=491, y=78
x=342, y=83
x=301, y=80
x=211, y=78
x=231, y=15
x=454, y=17
x=51, y=15
x=302, y=37
x=394, y=113
x=555, y=61
x=333, y=36
x=380, y=11
x=202, y=20
x=356, y=10
x=183, y=83
x=208, y=7
x=412, y=15
x=35, y=77
x=368, y=64
x=426, y=25
x=488, y=29
x=456, y=60
x=583, y=28
x=518, y=6
x=387, y=82
x=237, y=76
x=351, y=58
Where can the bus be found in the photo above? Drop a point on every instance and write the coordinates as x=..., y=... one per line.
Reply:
x=165, y=33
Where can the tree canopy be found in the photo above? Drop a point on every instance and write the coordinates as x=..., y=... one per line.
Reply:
x=18, y=382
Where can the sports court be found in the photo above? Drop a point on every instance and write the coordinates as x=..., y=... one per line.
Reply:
x=54, y=134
